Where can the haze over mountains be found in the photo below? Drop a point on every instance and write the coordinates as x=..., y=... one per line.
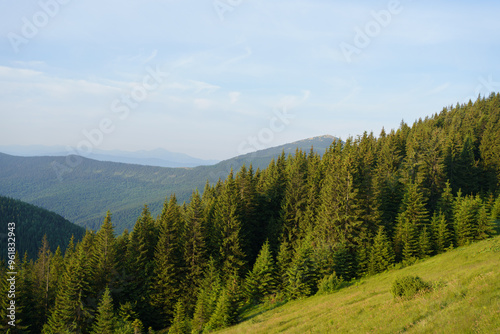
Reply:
x=85, y=192
x=157, y=157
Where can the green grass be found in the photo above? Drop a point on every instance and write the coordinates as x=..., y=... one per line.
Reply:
x=465, y=298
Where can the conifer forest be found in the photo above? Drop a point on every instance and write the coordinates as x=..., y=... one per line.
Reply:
x=305, y=224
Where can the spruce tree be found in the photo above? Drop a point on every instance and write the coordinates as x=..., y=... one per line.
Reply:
x=140, y=265
x=104, y=260
x=105, y=319
x=180, y=322
x=425, y=243
x=440, y=232
x=339, y=216
x=411, y=220
x=301, y=276
x=226, y=310
x=228, y=226
x=468, y=217
x=381, y=253
x=194, y=249
x=261, y=281
x=73, y=309
x=208, y=294
x=168, y=264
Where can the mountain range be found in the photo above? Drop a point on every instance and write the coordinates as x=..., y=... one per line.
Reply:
x=82, y=190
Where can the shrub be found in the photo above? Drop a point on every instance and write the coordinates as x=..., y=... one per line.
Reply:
x=408, y=286
x=329, y=284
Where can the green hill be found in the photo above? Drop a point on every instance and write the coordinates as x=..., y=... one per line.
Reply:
x=31, y=224
x=465, y=298
x=84, y=193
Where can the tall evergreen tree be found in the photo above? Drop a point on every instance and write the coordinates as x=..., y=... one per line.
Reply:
x=231, y=256
x=105, y=318
x=180, y=322
x=73, y=310
x=440, y=232
x=261, y=281
x=339, y=216
x=104, y=260
x=194, y=249
x=208, y=294
x=381, y=253
x=140, y=265
x=168, y=263
x=301, y=276
x=411, y=220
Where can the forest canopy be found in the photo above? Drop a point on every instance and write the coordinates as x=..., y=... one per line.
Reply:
x=303, y=223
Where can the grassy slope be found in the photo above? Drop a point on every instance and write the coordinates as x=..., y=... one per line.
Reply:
x=466, y=299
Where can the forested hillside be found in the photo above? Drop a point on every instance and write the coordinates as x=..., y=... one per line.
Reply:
x=31, y=224
x=304, y=223
x=83, y=190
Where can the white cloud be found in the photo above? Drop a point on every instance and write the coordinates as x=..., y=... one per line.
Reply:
x=234, y=97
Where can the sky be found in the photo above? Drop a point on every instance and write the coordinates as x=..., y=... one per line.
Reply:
x=219, y=78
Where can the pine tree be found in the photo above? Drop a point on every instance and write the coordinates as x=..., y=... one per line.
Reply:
x=381, y=253
x=485, y=226
x=168, y=278
x=72, y=311
x=105, y=319
x=344, y=262
x=260, y=281
x=194, y=249
x=301, y=276
x=411, y=220
x=140, y=265
x=104, y=260
x=42, y=278
x=25, y=297
x=339, y=216
x=425, y=243
x=225, y=313
x=180, y=323
x=295, y=200
x=388, y=190
x=467, y=219
x=440, y=232
x=228, y=225
x=210, y=289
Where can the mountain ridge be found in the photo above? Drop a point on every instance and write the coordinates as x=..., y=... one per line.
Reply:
x=83, y=192
x=156, y=157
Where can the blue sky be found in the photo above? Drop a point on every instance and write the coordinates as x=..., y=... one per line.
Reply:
x=217, y=78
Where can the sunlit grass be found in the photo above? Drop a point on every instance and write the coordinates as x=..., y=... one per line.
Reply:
x=465, y=298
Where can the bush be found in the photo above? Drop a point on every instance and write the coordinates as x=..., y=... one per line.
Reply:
x=329, y=284
x=408, y=286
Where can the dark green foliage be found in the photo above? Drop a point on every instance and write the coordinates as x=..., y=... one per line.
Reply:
x=261, y=281
x=226, y=310
x=381, y=253
x=409, y=286
x=301, y=276
x=411, y=221
x=366, y=204
x=105, y=318
x=168, y=275
x=209, y=292
x=440, y=232
x=73, y=310
x=471, y=220
x=32, y=223
x=195, y=254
